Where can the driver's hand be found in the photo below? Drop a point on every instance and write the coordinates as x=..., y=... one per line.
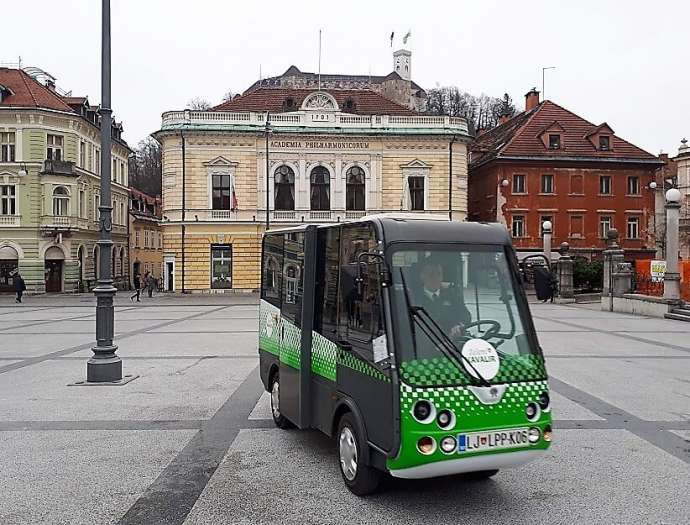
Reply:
x=457, y=331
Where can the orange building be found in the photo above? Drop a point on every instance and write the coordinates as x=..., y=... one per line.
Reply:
x=145, y=236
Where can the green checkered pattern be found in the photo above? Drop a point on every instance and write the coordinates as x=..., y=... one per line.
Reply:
x=269, y=331
x=324, y=354
x=440, y=371
x=471, y=416
x=357, y=364
x=290, y=345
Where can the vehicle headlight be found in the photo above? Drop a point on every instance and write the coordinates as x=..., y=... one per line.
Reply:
x=532, y=411
x=446, y=419
x=548, y=433
x=426, y=445
x=424, y=411
x=448, y=444
x=533, y=435
x=544, y=400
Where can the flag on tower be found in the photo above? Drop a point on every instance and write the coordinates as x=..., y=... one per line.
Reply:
x=392, y=35
x=407, y=35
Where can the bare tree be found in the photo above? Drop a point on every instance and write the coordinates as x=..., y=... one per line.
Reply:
x=145, y=167
x=199, y=104
x=483, y=111
x=228, y=96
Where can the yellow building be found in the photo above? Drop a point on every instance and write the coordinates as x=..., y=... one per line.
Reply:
x=319, y=156
x=145, y=236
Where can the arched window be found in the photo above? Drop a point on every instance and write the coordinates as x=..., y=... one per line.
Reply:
x=60, y=201
x=284, y=191
x=354, y=192
x=320, y=189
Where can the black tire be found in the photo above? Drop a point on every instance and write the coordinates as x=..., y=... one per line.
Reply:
x=480, y=474
x=360, y=479
x=279, y=419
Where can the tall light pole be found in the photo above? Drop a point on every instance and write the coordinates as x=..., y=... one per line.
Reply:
x=672, y=276
x=267, y=131
x=543, y=76
x=105, y=365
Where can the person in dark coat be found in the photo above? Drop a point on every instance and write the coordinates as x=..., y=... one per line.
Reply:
x=19, y=287
x=443, y=306
x=545, y=283
x=137, y=287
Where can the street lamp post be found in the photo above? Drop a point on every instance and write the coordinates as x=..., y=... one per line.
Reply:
x=546, y=228
x=105, y=365
x=672, y=275
x=267, y=131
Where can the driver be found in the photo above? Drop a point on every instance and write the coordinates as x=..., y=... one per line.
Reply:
x=446, y=308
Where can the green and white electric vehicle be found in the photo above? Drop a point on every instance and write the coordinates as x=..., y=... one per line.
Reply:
x=408, y=339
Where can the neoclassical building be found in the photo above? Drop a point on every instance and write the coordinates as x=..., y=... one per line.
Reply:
x=279, y=156
x=50, y=186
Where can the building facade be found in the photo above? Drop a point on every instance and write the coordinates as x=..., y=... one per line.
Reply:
x=145, y=235
x=279, y=156
x=682, y=161
x=549, y=164
x=50, y=186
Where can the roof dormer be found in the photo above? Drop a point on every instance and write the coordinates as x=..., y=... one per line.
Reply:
x=5, y=92
x=601, y=137
x=552, y=136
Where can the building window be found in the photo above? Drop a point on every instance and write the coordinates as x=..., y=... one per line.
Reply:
x=123, y=216
x=604, y=142
x=554, y=141
x=320, y=189
x=633, y=228
x=633, y=185
x=98, y=162
x=7, y=147
x=82, y=154
x=605, y=224
x=82, y=204
x=60, y=201
x=137, y=239
x=221, y=266
x=416, y=188
x=577, y=226
x=122, y=174
x=576, y=185
x=605, y=185
x=54, y=149
x=518, y=183
x=542, y=220
x=8, y=200
x=146, y=238
x=354, y=189
x=284, y=188
x=518, y=226
x=221, y=192
x=160, y=241
x=113, y=175
x=547, y=184
x=96, y=205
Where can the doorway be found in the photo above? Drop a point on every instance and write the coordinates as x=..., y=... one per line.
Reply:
x=169, y=275
x=9, y=262
x=54, y=259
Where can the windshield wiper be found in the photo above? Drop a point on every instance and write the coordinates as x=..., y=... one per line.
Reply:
x=436, y=335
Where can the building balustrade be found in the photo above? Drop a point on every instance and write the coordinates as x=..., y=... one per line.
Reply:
x=58, y=167
x=10, y=221
x=60, y=222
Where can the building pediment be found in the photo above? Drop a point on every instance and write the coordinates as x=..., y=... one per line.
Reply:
x=321, y=101
x=416, y=164
x=220, y=162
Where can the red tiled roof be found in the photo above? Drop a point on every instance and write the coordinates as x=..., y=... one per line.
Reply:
x=521, y=137
x=366, y=101
x=27, y=92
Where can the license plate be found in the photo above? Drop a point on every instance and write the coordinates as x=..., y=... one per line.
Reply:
x=495, y=440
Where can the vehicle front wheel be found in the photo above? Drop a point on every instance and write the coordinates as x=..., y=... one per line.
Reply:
x=360, y=478
x=279, y=419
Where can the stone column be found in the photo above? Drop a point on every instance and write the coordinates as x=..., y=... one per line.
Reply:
x=672, y=275
x=565, y=272
x=613, y=254
x=546, y=227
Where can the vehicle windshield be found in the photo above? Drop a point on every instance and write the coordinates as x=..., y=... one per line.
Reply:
x=446, y=295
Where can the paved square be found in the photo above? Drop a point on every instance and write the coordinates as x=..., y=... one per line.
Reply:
x=191, y=441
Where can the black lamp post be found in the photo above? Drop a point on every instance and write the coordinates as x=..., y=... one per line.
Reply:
x=105, y=365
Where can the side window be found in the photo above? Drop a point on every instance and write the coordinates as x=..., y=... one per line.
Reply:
x=327, y=266
x=272, y=271
x=293, y=269
x=360, y=313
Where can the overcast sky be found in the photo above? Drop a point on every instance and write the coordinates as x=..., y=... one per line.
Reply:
x=623, y=62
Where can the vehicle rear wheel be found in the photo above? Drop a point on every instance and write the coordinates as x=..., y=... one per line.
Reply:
x=279, y=419
x=480, y=474
x=360, y=478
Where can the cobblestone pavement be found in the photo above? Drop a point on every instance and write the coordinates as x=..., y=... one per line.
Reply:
x=191, y=441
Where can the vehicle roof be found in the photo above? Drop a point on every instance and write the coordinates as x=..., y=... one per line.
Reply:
x=410, y=228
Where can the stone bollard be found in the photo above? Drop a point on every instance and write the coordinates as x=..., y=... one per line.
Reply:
x=613, y=254
x=565, y=272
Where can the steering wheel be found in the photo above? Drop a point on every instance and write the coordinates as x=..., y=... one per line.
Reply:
x=494, y=329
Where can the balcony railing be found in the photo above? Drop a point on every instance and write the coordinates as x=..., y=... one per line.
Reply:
x=58, y=167
x=9, y=221
x=283, y=216
x=315, y=119
x=59, y=222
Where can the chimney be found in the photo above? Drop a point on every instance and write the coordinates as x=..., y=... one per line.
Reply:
x=531, y=99
x=504, y=118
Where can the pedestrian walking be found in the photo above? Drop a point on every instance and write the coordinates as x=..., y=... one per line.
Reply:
x=137, y=287
x=19, y=287
x=150, y=283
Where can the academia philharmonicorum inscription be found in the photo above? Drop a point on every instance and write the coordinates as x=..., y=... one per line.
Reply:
x=315, y=144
